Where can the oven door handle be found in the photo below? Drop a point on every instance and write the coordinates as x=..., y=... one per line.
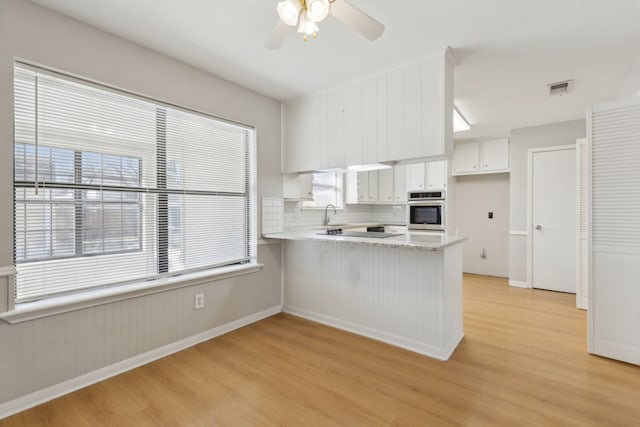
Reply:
x=427, y=203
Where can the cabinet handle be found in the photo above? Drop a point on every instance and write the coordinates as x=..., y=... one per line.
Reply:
x=474, y=166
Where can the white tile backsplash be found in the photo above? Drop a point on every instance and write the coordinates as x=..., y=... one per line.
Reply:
x=297, y=217
x=395, y=214
x=272, y=215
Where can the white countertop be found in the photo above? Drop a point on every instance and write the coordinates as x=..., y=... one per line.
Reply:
x=420, y=240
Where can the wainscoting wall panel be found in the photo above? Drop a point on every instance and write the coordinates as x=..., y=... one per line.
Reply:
x=40, y=353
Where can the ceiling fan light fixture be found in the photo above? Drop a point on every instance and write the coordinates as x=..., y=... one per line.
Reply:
x=307, y=26
x=289, y=10
x=317, y=10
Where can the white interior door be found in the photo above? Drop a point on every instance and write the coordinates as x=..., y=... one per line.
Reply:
x=553, y=218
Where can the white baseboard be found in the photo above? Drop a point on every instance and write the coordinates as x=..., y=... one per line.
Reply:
x=49, y=393
x=518, y=284
x=398, y=341
x=583, y=303
x=453, y=344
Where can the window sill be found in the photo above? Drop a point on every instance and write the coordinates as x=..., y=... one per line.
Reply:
x=64, y=304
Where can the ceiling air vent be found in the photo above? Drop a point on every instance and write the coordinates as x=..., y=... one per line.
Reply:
x=560, y=88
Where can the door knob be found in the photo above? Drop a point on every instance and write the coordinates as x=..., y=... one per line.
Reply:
x=538, y=227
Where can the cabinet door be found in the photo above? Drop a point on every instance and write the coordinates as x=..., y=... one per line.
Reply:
x=404, y=106
x=437, y=106
x=385, y=185
x=297, y=186
x=394, y=115
x=301, y=135
x=415, y=176
x=400, y=183
x=466, y=157
x=363, y=187
x=495, y=154
x=412, y=111
x=323, y=132
x=373, y=186
x=382, y=120
x=436, y=175
x=335, y=129
x=353, y=123
x=369, y=120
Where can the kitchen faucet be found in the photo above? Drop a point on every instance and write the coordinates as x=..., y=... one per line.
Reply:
x=326, y=214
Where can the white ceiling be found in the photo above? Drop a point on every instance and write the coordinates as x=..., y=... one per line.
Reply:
x=507, y=50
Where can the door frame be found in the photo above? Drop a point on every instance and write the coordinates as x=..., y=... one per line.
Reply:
x=530, y=154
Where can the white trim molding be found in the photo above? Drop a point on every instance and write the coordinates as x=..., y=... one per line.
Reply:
x=419, y=347
x=262, y=242
x=518, y=233
x=92, y=298
x=8, y=270
x=52, y=392
x=518, y=284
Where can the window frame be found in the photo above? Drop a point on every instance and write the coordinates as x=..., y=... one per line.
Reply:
x=78, y=202
x=339, y=189
x=187, y=277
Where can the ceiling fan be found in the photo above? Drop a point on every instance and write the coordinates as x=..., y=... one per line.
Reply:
x=308, y=13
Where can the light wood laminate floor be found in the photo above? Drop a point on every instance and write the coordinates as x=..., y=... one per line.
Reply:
x=523, y=361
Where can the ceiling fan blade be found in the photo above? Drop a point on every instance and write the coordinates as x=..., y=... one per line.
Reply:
x=357, y=19
x=277, y=37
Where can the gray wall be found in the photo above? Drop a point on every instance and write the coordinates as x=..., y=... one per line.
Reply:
x=40, y=353
x=476, y=195
x=522, y=140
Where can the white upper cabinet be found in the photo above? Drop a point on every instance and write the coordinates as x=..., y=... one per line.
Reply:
x=353, y=130
x=420, y=108
x=302, y=143
x=385, y=185
x=400, y=183
x=335, y=129
x=466, y=158
x=401, y=114
x=437, y=107
x=297, y=186
x=415, y=176
x=395, y=140
x=369, y=138
x=363, y=186
x=427, y=176
x=479, y=157
x=373, y=186
x=436, y=175
x=377, y=187
x=367, y=185
x=495, y=155
x=382, y=124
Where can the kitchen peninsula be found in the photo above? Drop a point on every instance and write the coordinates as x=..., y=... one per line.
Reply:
x=405, y=290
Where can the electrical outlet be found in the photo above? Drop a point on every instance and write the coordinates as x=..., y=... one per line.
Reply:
x=198, y=302
x=490, y=215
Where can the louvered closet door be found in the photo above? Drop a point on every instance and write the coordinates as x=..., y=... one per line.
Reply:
x=614, y=302
x=583, y=224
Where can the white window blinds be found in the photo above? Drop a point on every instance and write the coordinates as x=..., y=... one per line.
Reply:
x=111, y=188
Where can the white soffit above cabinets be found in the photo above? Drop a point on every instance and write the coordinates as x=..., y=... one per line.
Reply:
x=507, y=51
